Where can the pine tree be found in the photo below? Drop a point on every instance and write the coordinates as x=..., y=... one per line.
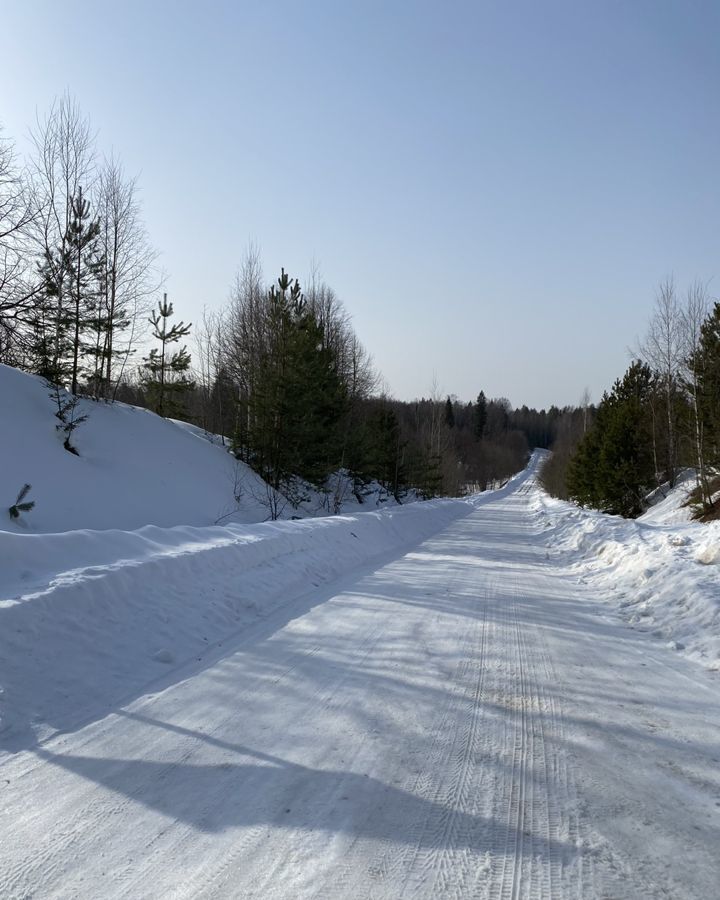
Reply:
x=21, y=504
x=84, y=265
x=164, y=379
x=298, y=401
x=71, y=284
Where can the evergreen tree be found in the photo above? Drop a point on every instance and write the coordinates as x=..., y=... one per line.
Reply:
x=71, y=278
x=298, y=402
x=164, y=377
x=612, y=468
x=85, y=266
x=317, y=398
x=21, y=504
x=385, y=455
x=480, y=416
x=449, y=414
x=431, y=477
x=706, y=366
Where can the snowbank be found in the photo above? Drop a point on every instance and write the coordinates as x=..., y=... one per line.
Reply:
x=89, y=618
x=662, y=578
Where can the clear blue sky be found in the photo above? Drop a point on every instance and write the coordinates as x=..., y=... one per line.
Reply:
x=493, y=189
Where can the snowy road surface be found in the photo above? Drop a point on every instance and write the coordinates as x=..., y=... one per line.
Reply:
x=465, y=721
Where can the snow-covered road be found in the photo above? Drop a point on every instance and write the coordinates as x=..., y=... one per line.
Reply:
x=465, y=721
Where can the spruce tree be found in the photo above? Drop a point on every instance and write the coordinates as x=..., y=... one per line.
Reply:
x=480, y=416
x=449, y=414
x=385, y=452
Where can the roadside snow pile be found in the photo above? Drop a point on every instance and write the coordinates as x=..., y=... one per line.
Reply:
x=90, y=618
x=663, y=578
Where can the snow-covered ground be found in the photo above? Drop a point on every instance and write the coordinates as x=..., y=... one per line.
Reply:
x=89, y=618
x=441, y=700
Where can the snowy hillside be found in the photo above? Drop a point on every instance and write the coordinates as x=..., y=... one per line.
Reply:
x=669, y=507
x=133, y=469
x=88, y=618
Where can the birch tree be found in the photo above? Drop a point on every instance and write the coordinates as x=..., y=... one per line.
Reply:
x=130, y=275
x=662, y=351
x=692, y=317
x=18, y=284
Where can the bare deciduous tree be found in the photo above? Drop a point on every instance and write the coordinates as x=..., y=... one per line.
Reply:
x=662, y=351
x=692, y=316
x=18, y=283
x=244, y=339
x=585, y=404
x=62, y=166
x=130, y=277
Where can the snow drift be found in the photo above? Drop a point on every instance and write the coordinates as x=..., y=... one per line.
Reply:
x=661, y=573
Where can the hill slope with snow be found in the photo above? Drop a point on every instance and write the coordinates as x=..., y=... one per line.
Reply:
x=133, y=469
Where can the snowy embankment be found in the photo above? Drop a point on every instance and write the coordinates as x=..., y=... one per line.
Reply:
x=133, y=469
x=661, y=572
x=90, y=618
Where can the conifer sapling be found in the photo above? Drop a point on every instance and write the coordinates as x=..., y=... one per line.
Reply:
x=21, y=504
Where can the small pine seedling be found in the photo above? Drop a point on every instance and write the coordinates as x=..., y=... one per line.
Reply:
x=20, y=504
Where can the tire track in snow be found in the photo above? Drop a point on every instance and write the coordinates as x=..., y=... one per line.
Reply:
x=455, y=861
x=89, y=821
x=217, y=882
x=528, y=862
x=392, y=866
x=434, y=846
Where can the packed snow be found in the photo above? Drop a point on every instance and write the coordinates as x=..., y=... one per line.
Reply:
x=504, y=696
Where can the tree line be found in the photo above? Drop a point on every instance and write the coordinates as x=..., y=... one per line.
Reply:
x=662, y=416
x=278, y=372
x=281, y=373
